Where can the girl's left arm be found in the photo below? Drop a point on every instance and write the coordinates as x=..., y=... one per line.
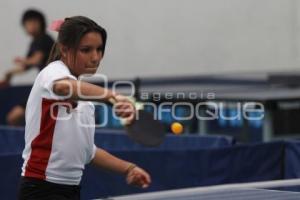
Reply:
x=134, y=174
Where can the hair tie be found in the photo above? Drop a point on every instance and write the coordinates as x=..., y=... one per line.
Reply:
x=56, y=24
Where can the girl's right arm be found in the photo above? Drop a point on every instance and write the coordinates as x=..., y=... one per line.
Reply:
x=80, y=90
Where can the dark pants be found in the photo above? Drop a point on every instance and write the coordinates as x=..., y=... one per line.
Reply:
x=35, y=189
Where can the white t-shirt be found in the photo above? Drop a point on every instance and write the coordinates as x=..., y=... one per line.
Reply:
x=59, y=141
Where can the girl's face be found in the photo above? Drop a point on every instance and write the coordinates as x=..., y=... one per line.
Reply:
x=88, y=55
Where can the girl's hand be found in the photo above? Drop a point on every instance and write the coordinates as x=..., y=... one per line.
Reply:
x=124, y=108
x=138, y=177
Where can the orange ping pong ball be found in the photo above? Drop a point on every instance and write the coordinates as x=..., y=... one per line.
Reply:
x=177, y=128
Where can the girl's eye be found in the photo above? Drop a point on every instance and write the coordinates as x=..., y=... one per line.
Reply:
x=88, y=50
x=85, y=50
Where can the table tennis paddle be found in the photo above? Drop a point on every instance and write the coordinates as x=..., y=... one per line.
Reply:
x=144, y=129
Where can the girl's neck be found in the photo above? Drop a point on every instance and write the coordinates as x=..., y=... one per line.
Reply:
x=68, y=66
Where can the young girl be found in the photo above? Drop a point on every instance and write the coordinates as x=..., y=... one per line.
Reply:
x=57, y=145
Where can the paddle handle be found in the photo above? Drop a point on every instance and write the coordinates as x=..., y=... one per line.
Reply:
x=112, y=100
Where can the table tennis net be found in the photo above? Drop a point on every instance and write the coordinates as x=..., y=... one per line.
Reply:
x=273, y=190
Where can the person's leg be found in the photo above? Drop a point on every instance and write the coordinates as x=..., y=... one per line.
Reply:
x=16, y=116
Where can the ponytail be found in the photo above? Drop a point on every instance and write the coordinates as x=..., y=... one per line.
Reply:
x=54, y=54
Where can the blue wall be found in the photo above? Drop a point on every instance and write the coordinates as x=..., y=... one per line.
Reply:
x=179, y=162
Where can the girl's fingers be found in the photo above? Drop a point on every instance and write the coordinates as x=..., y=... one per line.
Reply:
x=139, y=177
x=124, y=110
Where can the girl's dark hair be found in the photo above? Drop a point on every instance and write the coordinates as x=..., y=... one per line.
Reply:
x=34, y=14
x=71, y=32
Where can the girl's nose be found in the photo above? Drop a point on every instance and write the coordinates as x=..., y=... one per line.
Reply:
x=95, y=56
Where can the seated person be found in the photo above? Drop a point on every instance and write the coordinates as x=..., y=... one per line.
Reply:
x=34, y=24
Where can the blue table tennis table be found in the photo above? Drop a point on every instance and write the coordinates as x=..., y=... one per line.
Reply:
x=273, y=92
x=266, y=190
x=283, y=91
x=234, y=194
